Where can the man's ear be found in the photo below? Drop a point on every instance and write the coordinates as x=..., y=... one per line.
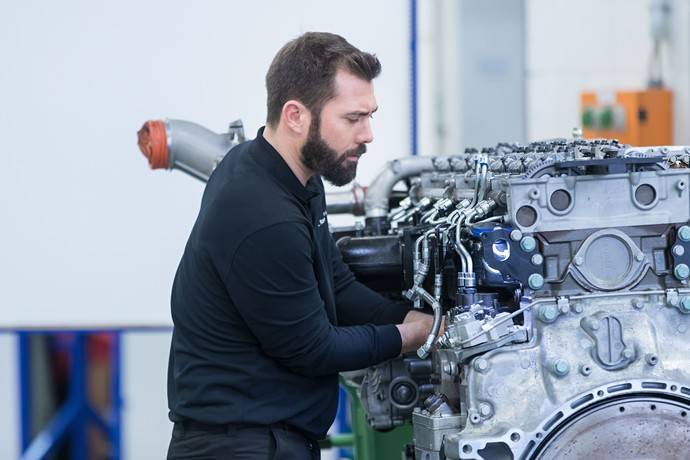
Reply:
x=296, y=117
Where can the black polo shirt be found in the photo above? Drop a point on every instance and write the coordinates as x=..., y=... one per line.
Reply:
x=266, y=313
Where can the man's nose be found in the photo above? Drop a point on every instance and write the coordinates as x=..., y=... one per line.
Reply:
x=366, y=135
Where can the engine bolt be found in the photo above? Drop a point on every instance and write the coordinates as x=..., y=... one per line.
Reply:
x=579, y=260
x=681, y=271
x=628, y=353
x=516, y=235
x=481, y=365
x=560, y=367
x=528, y=244
x=684, y=233
x=548, y=313
x=684, y=305
x=639, y=256
x=651, y=359
x=537, y=259
x=678, y=250
x=638, y=304
x=485, y=409
x=536, y=281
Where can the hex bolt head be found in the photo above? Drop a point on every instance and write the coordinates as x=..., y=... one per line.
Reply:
x=678, y=250
x=577, y=308
x=536, y=281
x=548, y=313
x=639, y=256
x=684, y=233
x=637, y=304
x=682, y=271
x=579, y=260
x=485, y=409
x=528, y=244
x=628, y=353
x=560, y=367
x=516, y=235
x=684, y=305
x=537, y=259
x=651, y=359
x=481, y=365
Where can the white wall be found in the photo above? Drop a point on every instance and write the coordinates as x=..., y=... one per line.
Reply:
x=89, y=235
x=584, y=45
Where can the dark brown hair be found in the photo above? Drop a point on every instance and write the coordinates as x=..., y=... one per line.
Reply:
x=304, y=69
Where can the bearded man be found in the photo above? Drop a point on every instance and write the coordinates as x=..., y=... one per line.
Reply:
x=265, y=311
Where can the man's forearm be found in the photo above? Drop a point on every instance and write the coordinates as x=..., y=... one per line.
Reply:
x=414, y=330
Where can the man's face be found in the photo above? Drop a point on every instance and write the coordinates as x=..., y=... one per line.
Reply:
x=338, y=136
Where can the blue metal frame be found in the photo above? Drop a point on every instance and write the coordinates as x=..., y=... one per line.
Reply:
x=75, y=416
x=24, y=386
x=413, y=77
x=344, y=422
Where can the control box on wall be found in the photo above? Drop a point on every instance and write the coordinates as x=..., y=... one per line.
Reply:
x=639, y=118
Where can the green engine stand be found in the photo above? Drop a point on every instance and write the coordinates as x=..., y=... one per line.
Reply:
x=368, y=443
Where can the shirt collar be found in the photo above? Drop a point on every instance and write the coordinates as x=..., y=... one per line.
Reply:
x=269, y=158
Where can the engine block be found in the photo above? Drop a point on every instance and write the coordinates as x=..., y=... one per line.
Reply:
x=558, y=272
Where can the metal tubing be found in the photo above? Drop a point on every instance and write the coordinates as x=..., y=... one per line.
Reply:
x=195, y=149
x=376, y=201
x=425, y=349
x=348, y=202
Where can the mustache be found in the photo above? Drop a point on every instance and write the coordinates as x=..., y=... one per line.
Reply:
x=360, y=150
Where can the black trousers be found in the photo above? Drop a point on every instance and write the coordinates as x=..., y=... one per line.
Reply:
x=233, y=442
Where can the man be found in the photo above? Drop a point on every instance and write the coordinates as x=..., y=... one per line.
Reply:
x=266, y=313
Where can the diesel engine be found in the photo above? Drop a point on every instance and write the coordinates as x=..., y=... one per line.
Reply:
x=557, y=273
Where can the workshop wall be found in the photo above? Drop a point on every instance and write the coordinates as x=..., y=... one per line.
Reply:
x=92, y=237
x=576, y=46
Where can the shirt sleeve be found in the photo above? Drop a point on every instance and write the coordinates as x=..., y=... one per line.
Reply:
x=358, y=304
x=272, y=283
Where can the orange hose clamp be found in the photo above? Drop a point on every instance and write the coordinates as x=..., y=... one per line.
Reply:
x=153, y=143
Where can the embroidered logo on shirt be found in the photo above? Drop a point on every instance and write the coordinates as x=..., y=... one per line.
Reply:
x=322, y=220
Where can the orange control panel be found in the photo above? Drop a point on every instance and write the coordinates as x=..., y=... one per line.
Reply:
x=633, y=117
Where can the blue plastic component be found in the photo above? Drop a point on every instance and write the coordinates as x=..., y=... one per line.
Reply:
x=479, y=231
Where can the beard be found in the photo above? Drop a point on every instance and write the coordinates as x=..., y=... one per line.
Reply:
x=320, y=158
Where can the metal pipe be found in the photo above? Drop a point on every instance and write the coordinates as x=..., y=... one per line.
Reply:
x=187, y=146
x=425, y=349
x=347, y=202
x=376, y=201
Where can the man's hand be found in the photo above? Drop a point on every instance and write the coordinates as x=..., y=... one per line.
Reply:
x=414, y=330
